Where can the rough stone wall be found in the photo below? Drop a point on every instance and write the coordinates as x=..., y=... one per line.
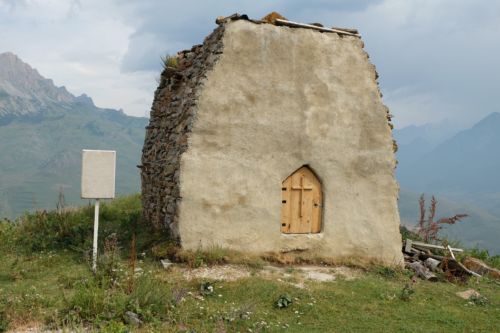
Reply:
x=171, y=120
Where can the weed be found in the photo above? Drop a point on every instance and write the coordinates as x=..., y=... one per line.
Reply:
x=428, y=228
x=479, y=300
x=217, y=255
x=165, y=249
x=206, y=288
x=114, y=327
x=386, y=272
x=169, y=61
x=150, y=300
x=4, y=322
x=284, y=301
x=406, y=292
x=178, y=295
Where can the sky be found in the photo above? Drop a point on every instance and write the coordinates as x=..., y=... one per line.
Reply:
x=438, y=60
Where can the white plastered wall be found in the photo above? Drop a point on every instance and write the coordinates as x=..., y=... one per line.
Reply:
x=277, y=99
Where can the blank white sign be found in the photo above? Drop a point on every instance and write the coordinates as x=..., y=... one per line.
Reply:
x=98, y=174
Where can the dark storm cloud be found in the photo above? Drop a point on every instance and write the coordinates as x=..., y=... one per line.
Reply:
x=166, y=27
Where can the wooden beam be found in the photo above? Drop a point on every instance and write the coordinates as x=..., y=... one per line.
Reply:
x=460, y=264
x=432, y=246
x=352, y=31
x=314, y=27
x=408, y=243
x=422, y=271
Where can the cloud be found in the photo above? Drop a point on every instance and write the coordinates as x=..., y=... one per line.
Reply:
x=436, y=59
x=79, y=45
x=444, y=49
x=165, y=27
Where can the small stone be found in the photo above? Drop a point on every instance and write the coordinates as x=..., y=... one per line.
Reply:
x=468, y=294
x=220, y=19
x=132, y=318
x=166, y=263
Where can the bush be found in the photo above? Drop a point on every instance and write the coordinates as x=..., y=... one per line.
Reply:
x=50, y=230
x=4, y=323
x=386, y=272
x=72, y=229
x=406, y=292
x=149, y=299
x=7, y=231
x=98, y=302
x=93, y=302
x=169, y=61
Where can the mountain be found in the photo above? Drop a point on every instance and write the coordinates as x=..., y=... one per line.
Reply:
x=23, y=91
x=462, y=170
x=432, y=134
x=463, y=167
x=415, y=141
x=43, y=129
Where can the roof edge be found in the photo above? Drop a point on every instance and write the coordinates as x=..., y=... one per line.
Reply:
x=278, y=20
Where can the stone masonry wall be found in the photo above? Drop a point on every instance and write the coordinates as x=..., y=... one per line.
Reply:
x=171, y=119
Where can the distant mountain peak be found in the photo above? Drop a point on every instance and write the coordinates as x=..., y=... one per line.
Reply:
x=85, y=100
x=24, y=91
x=492, y=116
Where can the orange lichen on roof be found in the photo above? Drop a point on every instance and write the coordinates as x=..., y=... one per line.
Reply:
x=271, y=17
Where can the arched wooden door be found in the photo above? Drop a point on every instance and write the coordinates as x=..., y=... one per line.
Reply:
x=301, y=203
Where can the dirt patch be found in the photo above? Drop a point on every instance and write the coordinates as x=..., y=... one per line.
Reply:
x=224, y=273
x=295, y=275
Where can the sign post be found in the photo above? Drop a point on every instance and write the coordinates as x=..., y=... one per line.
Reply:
x=98, y=182
x=96, y=231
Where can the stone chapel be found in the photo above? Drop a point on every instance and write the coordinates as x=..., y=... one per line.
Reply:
x=272, y=137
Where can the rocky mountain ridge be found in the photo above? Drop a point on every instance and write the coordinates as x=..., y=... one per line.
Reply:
x=23, y=91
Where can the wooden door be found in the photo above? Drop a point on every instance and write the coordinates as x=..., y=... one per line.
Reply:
x=301, y=203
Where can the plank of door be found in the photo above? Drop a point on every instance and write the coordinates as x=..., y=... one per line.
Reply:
x=317, y=213
x=295, y=219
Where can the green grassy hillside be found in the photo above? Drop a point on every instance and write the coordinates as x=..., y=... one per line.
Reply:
x=43, y=129
x=42, y=154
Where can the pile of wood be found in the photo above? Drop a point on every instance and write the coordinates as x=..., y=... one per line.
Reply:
x=422, y=258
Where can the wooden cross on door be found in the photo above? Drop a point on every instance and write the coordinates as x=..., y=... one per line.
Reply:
x=302, y=188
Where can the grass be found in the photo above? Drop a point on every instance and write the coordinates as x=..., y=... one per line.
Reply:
x=58, y=290
x=49, y=283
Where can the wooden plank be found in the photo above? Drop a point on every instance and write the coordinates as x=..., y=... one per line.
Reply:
x=408, y=243
x=310, y=26
x=352, y=31
x=422, y=271
x=432, y=246
x=295, y=220
x=460, y=264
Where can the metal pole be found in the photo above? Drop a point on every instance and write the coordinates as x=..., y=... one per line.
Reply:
x=96, y=228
